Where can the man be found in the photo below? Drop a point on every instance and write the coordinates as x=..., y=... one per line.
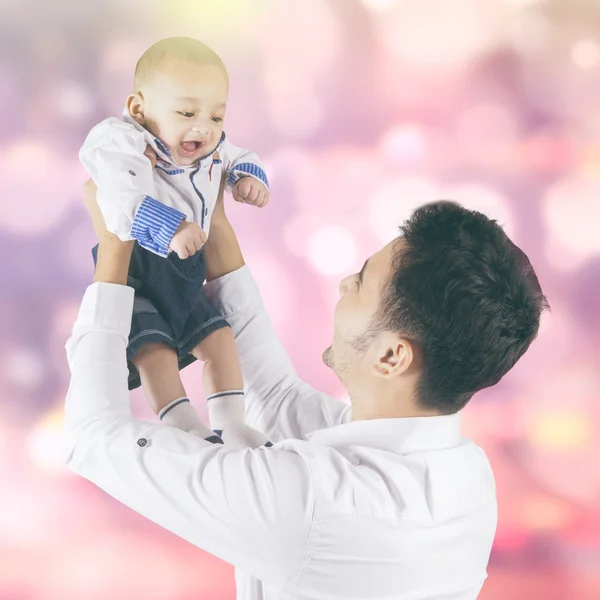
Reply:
x=383, y=499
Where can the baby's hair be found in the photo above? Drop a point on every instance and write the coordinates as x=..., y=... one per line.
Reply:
x=160, y=55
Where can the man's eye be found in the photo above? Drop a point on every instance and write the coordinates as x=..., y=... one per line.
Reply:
x=217, y=119
x=187, y=115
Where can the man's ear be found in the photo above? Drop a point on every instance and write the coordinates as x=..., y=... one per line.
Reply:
x=394, y=355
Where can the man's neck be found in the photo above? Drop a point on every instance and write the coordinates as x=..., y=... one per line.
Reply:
x=385, y=403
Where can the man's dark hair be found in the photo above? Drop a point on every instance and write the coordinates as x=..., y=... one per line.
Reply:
x=466, y=295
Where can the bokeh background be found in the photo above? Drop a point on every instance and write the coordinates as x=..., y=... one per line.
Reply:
x=361, y=110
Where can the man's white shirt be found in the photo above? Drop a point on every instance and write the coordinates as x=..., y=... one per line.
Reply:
x=336, y=509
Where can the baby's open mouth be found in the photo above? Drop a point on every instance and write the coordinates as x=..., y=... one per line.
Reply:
x=190, y=147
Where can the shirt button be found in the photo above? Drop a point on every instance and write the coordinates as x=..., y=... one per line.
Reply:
x=142, y=442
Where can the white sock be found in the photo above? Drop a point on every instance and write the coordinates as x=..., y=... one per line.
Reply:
x=226, y=415
x=181, y=414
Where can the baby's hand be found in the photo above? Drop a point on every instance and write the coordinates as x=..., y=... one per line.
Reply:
x=188, y=239
x=251, y=191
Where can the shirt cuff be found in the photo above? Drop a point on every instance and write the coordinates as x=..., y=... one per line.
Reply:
x=233, y=292
x=107, y=307
x=245, y=169
x=155, y=224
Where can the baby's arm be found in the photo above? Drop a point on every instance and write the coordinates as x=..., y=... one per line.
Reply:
x=246, y=179
x=113, y=154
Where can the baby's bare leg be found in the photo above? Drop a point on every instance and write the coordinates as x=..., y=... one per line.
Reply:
x=159, y=374
x=224, y=388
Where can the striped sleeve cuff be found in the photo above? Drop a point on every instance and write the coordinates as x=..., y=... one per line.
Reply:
x=155, y=225
x=251, y=169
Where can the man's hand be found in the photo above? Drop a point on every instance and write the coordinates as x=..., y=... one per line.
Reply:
x=89, y=199
x=251, y=191
x=188, y=239
x=113, y=254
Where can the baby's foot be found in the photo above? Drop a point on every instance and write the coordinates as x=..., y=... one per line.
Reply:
x=240, y=435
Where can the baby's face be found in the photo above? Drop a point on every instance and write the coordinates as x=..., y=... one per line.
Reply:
x=184, y=107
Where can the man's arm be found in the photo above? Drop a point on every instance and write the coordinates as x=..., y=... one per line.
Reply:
x=252, y=508
x=278, y=402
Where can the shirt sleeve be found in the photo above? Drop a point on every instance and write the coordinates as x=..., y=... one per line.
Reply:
x=239, y=162
x=113, y=155
x=278, y=402
x=251, y=508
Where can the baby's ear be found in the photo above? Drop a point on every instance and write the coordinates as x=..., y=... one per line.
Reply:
x=135, y=106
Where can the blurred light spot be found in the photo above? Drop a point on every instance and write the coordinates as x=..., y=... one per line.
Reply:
x=547, y=151
x=81, y=238
x=394, y=202
x=24, y=519
x=274, y=281
x=332, y=250
x=4, y=454
x=380, y=5
x=572, y=213
x=403, y=143
x=524, y=4
x=298, y=116
x=45, y=443
x=530, y=34
x=585, y=54
x=291, y=93
x=462, y=30
x=484, y=199
x=562, y=257
x=123, y=54
x=31, y=204
x=64, y=319
x=28, y=151
x=510, y=540
x=330, y=291
x=74, y=102
x=590, y=162
x=544, y=514
x=297, y=230
x=488, y=132
x=560, y=430
x=23, y=367
x=116, y=70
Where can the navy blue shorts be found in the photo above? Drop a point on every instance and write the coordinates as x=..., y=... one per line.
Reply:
x=169, y=305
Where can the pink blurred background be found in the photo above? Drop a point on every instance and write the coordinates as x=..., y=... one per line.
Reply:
x=361, y=110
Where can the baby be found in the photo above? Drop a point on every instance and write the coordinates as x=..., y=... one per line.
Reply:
x=177, y=108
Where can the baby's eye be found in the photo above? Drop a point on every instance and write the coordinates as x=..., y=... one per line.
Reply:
x=187, y=115
x=217, y=119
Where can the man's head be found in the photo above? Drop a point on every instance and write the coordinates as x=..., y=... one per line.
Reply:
x=180, y=96
x=438, y=314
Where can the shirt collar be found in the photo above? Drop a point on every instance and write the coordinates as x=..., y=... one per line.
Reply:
x=403, y=435
x=161, y=150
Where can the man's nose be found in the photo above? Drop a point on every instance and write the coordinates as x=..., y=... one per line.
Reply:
x=344, y=285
